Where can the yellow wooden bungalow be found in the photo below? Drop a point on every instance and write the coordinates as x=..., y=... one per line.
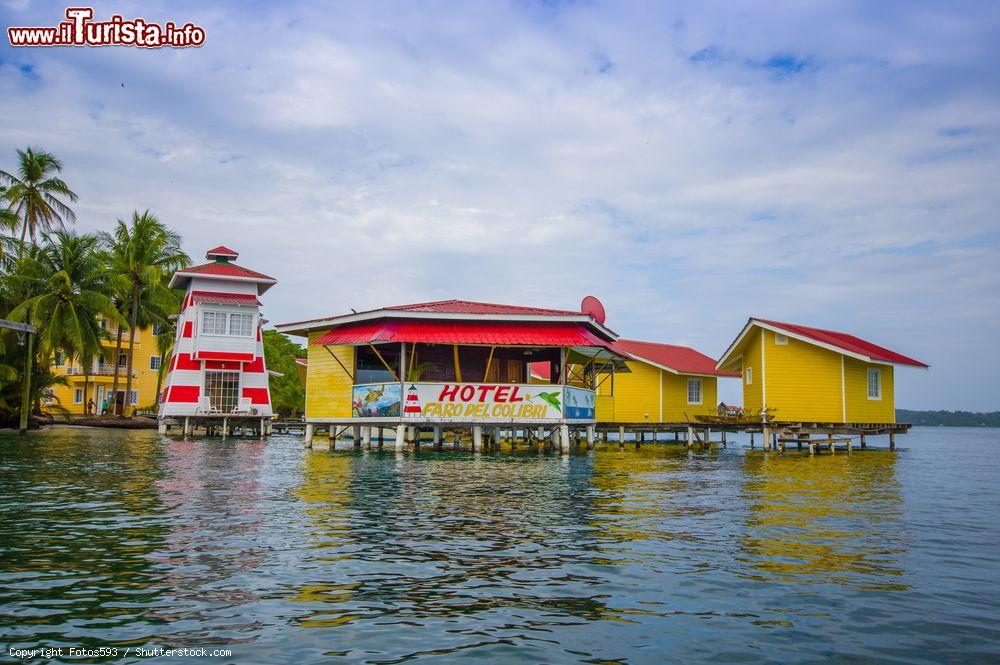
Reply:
x=803, y=374
x=665, y=383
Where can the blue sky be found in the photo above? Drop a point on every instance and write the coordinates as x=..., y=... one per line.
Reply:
x=827, y=163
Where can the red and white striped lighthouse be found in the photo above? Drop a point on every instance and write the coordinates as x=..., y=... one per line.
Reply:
x=218, y=360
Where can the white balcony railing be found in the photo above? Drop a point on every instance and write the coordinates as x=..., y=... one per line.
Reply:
x=99, y=369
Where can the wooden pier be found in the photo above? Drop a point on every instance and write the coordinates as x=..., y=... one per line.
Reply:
x=811, y=437
x=218, y=425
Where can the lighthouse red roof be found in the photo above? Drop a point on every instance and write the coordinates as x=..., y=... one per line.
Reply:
x=221, y=269
x=221, y=251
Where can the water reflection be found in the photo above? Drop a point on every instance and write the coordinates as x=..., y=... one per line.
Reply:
x=824, y=520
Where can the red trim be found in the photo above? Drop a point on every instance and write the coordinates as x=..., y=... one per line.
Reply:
x=462, y=332
x=183, y=394
x=256, y=366
x=219, y=364
x=224, y=298
x=224, y=355
x=257, y=395
x=188, y=329
x=184, y=361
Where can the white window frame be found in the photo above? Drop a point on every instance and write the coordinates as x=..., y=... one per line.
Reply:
x=215, y=323
x=241, y=316
x=780, y=340
x=159, y=363
x=875, y=372
x=748, y=375
x=701, y=395
x=78, y=391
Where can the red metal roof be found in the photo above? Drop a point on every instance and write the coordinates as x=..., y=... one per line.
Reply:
x=462, y=332
x=222, y=250
x=681, y=359
x=223, y=270
x=846, y=342
x=224, y=298
x=470, y=307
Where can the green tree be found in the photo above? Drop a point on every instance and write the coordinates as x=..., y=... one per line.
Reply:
x=144, y=253
x=288, y=395
x=69, y=292
x=33, y=193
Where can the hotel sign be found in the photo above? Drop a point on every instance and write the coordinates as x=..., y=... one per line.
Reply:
x=495, y=402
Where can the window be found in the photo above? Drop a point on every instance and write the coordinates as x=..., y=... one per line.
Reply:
x=780, y=339
x=222, y=389
x=223, y=323
x=213, y=323
x=123, y=360
x=240, y=325
x=133, y=398
x=78, y=396
x=60, y=359
x=748, y=374
x=874, y=383
x=694, y=391
x=157, y=329
x=155, y=362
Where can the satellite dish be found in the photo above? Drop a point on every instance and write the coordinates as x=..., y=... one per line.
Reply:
x=594, y=308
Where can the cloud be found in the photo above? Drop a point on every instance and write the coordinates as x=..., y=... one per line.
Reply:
x=691, y=165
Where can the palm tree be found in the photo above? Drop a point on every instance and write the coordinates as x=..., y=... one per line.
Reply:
x=69, y=291
x=144, y=253
x=33, y=194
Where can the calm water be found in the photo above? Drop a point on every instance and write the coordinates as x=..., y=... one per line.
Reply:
x=282, y=554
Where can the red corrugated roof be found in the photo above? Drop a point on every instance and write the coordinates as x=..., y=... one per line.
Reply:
x=682, y=359
x=846, y=342
x=471, y=307
x=222, y=250
x=224, y=298
x=223, y=270
x=462, y=332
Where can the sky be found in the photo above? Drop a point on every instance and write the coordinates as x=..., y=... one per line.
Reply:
x=691, y=164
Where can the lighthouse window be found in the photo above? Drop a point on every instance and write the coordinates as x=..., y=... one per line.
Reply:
x=241, y=325
x=213, y=323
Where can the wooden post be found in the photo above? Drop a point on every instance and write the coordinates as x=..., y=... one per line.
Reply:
x=767, y=438
x=225, y=427
x=437, y=438
x=690, y=441
x=812, y=448
x=621, y=437
x=864, y=443
x=477, y=438
x=892, y=440
x=724, y=438
x=564, y=439
x=639, y=436
x=590, y=437
x=829, y=440
x=751, y=440
x=708, y=438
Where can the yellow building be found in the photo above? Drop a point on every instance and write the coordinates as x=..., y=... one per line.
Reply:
x=665, y=383
x=805, y=374
x=145, y=366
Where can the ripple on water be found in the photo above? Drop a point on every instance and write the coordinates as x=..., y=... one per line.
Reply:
x=128, y=538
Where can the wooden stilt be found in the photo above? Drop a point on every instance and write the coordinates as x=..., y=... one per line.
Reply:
x=830, y=444
x=690, y=441
x=621, y=437
x=864, y=443
x=892, y=440
x=590, y=437
x=477, y=438
x=767, y=438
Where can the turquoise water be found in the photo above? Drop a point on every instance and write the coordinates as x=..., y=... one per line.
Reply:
x=281, y=554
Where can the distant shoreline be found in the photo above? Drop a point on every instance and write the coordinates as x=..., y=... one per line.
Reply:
x=948, y=418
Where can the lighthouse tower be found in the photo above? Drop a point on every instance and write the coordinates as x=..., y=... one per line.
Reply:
x=218, y=358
